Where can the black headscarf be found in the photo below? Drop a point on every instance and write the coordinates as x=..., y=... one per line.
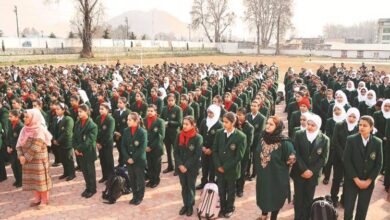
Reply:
x=276, y=136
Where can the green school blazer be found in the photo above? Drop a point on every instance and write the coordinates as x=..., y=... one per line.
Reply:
x=310, y=156
x=339, y=138
x=141, y=110
x=63, y=132
x=173, y=119
x=84, y=139
x=258, y=123
x=106, y=130
x=133, y=147
x=120, y=120
x=228, y=153
x=363, y=162
x=156, y=134
x=13, y=135
x=189, y=155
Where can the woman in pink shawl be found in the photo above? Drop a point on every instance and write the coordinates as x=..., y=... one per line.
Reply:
x=32, y=152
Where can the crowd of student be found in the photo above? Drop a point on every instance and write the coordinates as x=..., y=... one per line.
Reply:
x=220, y=119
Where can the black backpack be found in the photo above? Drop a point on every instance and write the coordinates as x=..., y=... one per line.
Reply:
x=122, y=172
x=114, y=189
x=322, y=209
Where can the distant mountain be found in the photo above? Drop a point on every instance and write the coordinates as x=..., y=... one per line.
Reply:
x=151, y=23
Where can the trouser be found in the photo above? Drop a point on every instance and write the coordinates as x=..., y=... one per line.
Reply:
x=351, y=192
x=227, y=193
x=169, y=142
x=16, y=167
x=338, y=174
x=304, y=193
x=106, y=161
x=386, y=164
x=3, y=172
x=137, y=181
x=154, y=167
x=208, y=170
x=241, y=181
x=251, y=162
x=118, y=147
x=187, y=182
x=66, y=158
x=274, y=214
x=328, y=167
x=56, y=152
x=87, y=167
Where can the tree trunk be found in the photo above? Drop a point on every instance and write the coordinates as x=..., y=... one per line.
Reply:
x=258, y=39
x=277, y=51
x=86, y=36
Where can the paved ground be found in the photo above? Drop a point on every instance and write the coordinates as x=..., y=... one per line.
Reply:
x=163, y=202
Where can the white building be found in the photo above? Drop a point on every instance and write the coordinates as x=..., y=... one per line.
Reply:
x=383, y=36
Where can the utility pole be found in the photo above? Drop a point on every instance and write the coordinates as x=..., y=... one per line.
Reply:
x=127, y=27
x=189, y=32
x=17, y=21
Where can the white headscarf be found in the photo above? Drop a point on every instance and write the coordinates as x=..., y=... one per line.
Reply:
x=352, y=88
x=216, y=110
x=311, y=136
x=386, y=115
x=361, y=97
x=83, y=95
x=361, y=84
x=356, y=112
x=306, y=115
x=371, y=102
x=343, y=114
x=345, y=100
x=163, y=93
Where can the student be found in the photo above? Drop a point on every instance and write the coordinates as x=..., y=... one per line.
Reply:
x=188, y=149
x=105, y=141
x=342, y=130
x=367, y=107
x=187, y=110
x=244, y=126
x=173, y=116
x=153, y=99
x=208, y=129
x=382, y=123
x=228, y=150
x=339, y=115
x=304, y=106
x=312, y=149
x=14, y=128
x=62, y=139
x=362, y=163
x=156, y=132
x=120, y=116
x=84, y=143
x=274, y=155
x=134, y=142
x=229, y=105
x=139, y=105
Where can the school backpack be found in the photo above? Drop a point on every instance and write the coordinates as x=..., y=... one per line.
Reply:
x=114, y=189
x=123, y=172
x=209, y=206
x=322, y=209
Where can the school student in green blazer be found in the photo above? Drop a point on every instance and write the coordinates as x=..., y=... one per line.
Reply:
x=187, y=152
x=382, y=123
x=312, y=149
x=14, y=128
x=120, y=116
x=208, y=128
x=244, y=126
x=228, y=150
x=62, y=139
x=362, y=163
x=184, y=105
x=105, y=141
x=155, y=100
x=229, y=105
x=194, y=105
x=84, y=144
x=134, y=142
x=341, y=131
x=156, y=132
x=173, y=116
x=139, y=105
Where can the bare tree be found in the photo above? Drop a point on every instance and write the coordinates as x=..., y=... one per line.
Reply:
x=283, y=22
x=365, y=31
x=212, y=16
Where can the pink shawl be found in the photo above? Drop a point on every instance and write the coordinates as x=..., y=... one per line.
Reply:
x=35, y=129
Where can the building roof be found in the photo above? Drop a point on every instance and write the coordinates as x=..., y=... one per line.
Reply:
x=366, y=47
x=384, y=20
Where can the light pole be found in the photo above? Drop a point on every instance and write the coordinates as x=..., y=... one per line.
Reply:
x=127, y=27
x=17, y=21
x=189, y=32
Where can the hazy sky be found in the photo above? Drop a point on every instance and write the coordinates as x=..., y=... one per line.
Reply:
x=309, y=15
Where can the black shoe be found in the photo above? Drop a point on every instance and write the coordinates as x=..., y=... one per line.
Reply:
x=14, y=184
x=240, y=194
x=55, y=164
x=84, y=193
x=175, y=173
x=132, y=201
x=168, y=170
x=89, y=194
x=62, y=177
x=69, y=178
x=102, y=180
x=78, y=169
x=200, y=186
x=183, y=210
x=137, y=201
x=18, y=185
x=228, y=214
x=154, y=185
x=325, y=181
x=150, y=183
x=221, y=214
x=190, y=211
